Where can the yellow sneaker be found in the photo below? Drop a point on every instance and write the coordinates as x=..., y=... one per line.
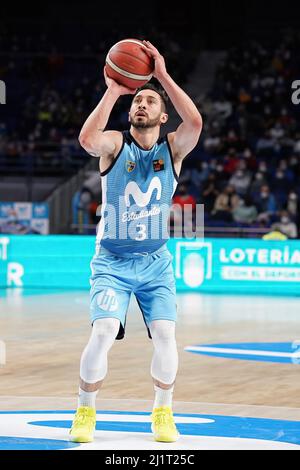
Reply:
x=163, y=426
x=84, y=424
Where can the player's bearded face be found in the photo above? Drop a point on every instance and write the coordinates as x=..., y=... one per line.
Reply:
x=140, y=121
x=146, y=110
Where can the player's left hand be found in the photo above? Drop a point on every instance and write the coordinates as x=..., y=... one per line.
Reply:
x=160, y=66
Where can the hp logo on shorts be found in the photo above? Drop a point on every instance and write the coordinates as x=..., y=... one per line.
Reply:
x=107, y=300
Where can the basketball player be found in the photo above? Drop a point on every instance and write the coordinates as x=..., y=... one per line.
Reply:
x=139, y=173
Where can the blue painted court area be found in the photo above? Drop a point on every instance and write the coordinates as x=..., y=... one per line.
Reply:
x=221, y=426
x=39, y=430
x=288, y=353
x=29, y=443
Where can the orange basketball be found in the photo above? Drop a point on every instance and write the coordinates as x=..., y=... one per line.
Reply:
x=128, y=63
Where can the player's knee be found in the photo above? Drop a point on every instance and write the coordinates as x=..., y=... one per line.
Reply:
x=163, y=330
x=106, y=327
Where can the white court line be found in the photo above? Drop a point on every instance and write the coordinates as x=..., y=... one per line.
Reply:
x=245, y=352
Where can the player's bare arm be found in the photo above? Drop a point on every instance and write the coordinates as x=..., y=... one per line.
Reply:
x=93, y=137
x=184, y=139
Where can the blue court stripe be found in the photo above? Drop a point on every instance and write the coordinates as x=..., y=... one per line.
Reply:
x=219, y=426
x=269, y=352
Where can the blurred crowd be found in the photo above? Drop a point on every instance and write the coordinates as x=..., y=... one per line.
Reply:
x=246, y=166
x=53, y=82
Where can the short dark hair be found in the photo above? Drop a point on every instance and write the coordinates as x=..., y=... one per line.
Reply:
x=163, y=95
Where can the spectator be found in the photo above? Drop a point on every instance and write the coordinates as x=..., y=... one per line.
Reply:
x=225, y=204
x=220, y=177
x=197, y=176
x=240, y=180
x=81, y=210
x=279, y=185
x=222, y=108
x=292, y=204
x=183, y=197
x=283, y=166
x=286, y=225
x=266, y=204
x=245, y=212
x=250, y=159
x=209, y=192
x=212, y=143
x=265, y=145
x=183, y=208
x=231, y=161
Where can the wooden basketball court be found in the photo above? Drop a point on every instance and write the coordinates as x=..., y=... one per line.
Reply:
x=45, y=334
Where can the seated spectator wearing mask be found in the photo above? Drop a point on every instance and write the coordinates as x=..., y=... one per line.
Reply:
x=266, y=204
x=258, y=181
x=286, y=225
x=240, y=180
x=292, y=205
x=225, y=204
x=245, y=212
x=279, y=185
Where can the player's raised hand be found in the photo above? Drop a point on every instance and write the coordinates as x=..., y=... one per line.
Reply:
x=159, y=62
x=119, y=89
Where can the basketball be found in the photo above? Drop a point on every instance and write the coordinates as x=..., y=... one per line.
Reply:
x=128, y=63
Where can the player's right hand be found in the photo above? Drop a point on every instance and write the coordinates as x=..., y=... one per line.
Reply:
x=113, y=85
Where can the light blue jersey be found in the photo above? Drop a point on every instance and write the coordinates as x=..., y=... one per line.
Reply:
x=131, y=255
x=137, y=192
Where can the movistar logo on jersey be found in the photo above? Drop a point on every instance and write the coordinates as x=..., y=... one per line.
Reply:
x=142, y=199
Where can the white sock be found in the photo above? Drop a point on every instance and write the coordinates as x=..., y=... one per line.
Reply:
x=87, y=398
x=163, y=397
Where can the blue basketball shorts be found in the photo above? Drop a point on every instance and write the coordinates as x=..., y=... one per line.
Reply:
x=149, y=276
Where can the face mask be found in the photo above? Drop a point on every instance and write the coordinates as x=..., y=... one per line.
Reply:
x=258, y=176
x=293, y=197
x=285, y=220
x=264, y=195
x=279, y=175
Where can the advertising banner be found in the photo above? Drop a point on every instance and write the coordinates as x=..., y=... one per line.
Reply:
x=209, y=265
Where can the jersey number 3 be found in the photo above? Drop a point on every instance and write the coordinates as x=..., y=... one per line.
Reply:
x=141, y=235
